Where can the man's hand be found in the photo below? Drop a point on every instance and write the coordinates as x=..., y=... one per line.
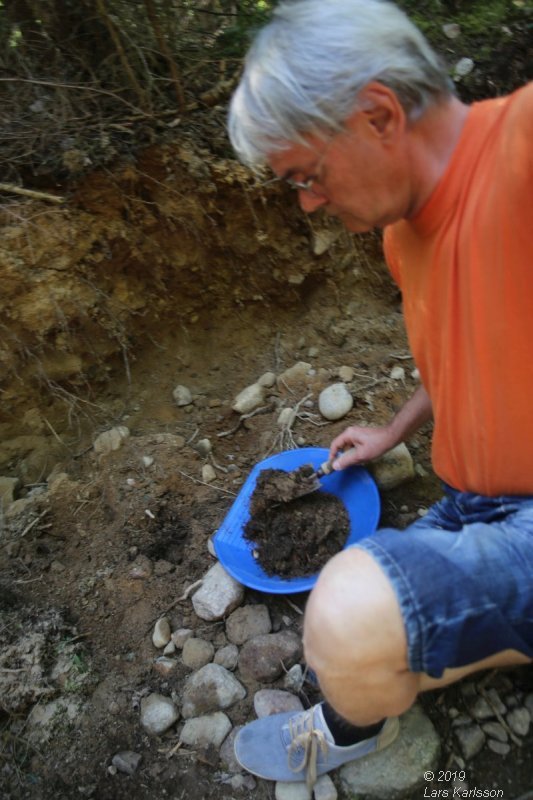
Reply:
x=364, y=445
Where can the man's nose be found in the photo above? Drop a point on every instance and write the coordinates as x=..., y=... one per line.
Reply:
x=309, y=201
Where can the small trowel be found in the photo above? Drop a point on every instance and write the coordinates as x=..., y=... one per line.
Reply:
x=305, y=479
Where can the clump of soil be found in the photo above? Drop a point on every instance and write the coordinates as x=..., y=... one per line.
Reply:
x=276, y=486
x=294, y=538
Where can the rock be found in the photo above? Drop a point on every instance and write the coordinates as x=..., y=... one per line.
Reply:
x=7, y=490
x=324, y=789
x=294, y=377
x=218, y=596
x=204, y=447
x=249, y=399
x=482, y=709
x=164, y=666
x=182, y=396
x=275, y=701
x=141, y=568
x=170, y=649
x=393, y=468
x=247, y=622
x=291, y=791
x=471, y=739
x=313, y=352
x=267, y=380
x=397, y=374
x=294, y=678
x=210, y=729
x=197, y=653
x=501, y=748
x=346, y=374
x=452, y=30
x=519, y=720
x=110, y=440
x=227, y=751
x=161, y=634
x=463, y=67
x=158, y=713
x=210, y=689
x=147, y=461
x=208, y=473
x=322, y=240
x=263, y=658
x=127, y=761
x=180, y=636
x=335, y=401
x=495, y=730
x=398, y=769
x=227, y=656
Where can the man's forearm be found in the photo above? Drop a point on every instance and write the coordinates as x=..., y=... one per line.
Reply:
x=415, y=413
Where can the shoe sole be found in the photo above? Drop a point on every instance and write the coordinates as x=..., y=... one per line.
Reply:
x=388, y=734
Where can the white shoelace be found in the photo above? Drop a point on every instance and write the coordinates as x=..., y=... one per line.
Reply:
x=303, y=734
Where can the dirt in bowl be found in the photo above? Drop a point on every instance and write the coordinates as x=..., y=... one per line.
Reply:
x=295, y=538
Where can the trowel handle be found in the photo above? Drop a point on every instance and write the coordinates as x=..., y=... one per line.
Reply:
x=327, y=467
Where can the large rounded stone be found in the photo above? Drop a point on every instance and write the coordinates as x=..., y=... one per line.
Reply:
x=246, y=622
x=210, y=689
x=250, y=398
x=399, y=769
x=393, y=468
x=210, y=729
x=218, y=595
x=158, y=713
x=265, y=657
x=335, y=401
x=197, y=653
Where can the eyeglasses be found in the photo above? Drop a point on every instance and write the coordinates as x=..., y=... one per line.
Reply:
x=308, y=184
x=301, y=186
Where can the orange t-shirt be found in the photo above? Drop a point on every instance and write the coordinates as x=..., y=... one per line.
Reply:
x=465, y=268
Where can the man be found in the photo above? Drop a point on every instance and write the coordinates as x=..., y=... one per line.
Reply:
x=346, y=101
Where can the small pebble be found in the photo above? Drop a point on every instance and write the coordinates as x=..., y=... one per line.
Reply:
x=208, y=473
x=397, y=374
x=182, y=395
x=126, y=761
x=180, y=636
x=498, y=747
x=161, y=634
x=519, y=721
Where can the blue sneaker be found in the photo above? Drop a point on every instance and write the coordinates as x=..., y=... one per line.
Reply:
x=299, y=746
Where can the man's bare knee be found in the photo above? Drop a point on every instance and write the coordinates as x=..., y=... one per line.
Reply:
x=354, y=638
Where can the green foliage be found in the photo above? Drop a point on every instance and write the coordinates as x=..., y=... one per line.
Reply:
x=252, y=15
x=85, y=81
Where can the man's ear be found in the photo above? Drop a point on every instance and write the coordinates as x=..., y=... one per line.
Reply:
x=379, y=112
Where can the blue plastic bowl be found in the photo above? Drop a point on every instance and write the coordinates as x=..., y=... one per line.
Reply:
x=354, y=486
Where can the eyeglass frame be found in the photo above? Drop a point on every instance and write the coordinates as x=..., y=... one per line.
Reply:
x=307, y=185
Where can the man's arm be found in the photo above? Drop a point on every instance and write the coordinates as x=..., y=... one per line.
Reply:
x=370, y=443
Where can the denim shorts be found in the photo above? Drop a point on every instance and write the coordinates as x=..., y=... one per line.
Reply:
x=463, y=576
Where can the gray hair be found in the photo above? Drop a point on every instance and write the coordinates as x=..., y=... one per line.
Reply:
x=306, y=68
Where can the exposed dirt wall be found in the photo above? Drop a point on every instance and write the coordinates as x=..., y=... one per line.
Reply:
x=175, y=239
